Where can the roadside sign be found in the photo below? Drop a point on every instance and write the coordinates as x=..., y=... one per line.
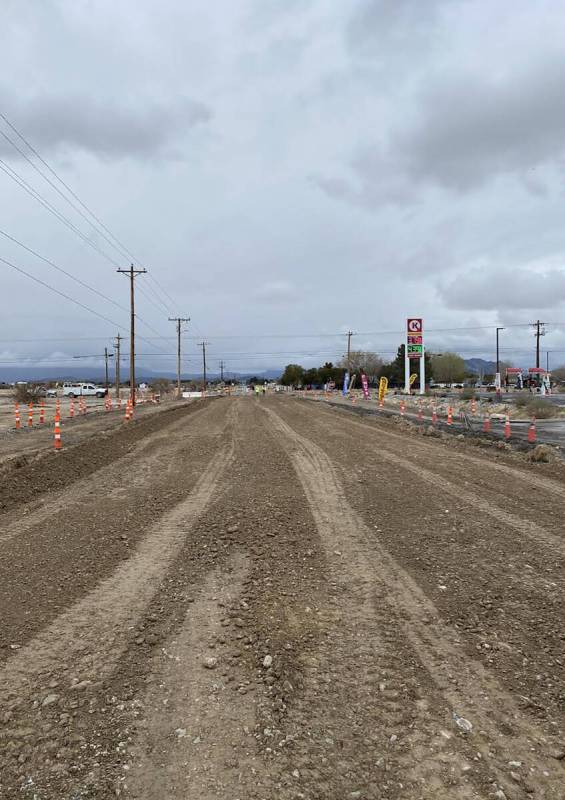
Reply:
x=536, y=371
x=414, y=348
x=513, y=370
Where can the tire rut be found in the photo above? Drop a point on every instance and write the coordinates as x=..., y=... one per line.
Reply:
x=82, y=644
x=502, y=733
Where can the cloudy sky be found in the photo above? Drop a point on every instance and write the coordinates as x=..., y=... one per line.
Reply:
x=284, y=168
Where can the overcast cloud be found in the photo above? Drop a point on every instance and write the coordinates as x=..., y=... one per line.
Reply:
x=287, y=167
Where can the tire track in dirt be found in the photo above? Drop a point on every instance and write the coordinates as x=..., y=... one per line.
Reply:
x=502, y=733
x=501, y=593
x=454, y=460
x=416, y=745
x=532, y=530
x=85, y=642
x=189, y=708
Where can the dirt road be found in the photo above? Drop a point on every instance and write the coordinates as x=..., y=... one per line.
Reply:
x=260, y=597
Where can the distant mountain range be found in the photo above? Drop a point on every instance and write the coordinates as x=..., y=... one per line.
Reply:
x=96, y=374
x=480, y=366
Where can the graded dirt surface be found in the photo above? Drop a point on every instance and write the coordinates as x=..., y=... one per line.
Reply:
x=267, y=598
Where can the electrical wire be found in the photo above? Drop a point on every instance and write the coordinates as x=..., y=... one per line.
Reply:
x=99, y=227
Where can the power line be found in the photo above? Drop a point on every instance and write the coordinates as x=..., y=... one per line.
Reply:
x=63, y=271
x=99, y=228
x=61, y=294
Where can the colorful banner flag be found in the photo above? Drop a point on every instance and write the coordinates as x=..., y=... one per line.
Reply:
x=345, y=384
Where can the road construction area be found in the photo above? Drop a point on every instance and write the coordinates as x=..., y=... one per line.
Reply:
x=259, y=597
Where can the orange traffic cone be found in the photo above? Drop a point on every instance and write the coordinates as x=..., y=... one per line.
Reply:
x=434, y=415
x=42, y=413
x=57, y=440
x=30, y=416
x=507, y=431
x=532, y=431
x=17, y=414
x=473, y=406
x=127, y=416
x=486, y=424
x=72, y=408
x=449, y=415
x=402, y=407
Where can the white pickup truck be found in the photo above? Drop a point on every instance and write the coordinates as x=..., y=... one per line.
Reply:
x=83, y=390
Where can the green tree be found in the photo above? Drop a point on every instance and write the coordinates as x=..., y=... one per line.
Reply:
x=363, y=361
x=293, y=375
x=311, y=377
x=448, y=368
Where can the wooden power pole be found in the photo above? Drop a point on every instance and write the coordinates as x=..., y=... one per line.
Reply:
x=117, y=346
x=132, y=273
x=203, y=346
x=179, y=321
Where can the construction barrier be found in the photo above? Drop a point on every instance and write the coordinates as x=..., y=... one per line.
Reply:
x=17, y=414
x=532, y=431
x=57, y=436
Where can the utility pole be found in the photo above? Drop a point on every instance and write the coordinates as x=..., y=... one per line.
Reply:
x=540, y=331
x=547, y=360
x=222, y=371
x=106, y=356
x=117, y=362
x=203, y=346
x=132, y=273
x=349, y=335
x=497, y=378
x=179, y=321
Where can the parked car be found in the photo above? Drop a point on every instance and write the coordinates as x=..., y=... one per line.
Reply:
x=83, y=390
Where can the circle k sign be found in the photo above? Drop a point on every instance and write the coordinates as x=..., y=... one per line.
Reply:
x=415, y=325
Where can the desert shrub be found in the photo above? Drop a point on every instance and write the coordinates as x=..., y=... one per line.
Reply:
x=26, y=393
x=468, y=393
x=537, y=407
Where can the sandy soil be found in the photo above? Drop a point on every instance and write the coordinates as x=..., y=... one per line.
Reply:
x=261, y=597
